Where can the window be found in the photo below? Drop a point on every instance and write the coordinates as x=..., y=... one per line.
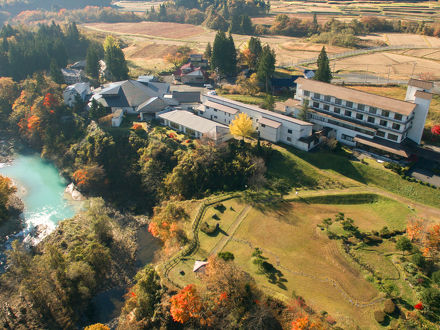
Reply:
x=326, y=107
x=385, y=113
x=398, y=116
x=396, y=126
x=380, y=134
x=359, y=116
x=327, y=98
x=383, y=123
x=215, y=117
x=215, y=110
x=373, y=110
x=361, y=107
x=393, y=137
x=349, y=104
x=262, y=125
x=338, y=101
x=337, y=110
x=347, y=137
x=174, y=125
x=289, y=139
x=348, y=113
x=370, y=120
x=306, y=93
x=317, y=95
x=289, y=131
x=316, y=105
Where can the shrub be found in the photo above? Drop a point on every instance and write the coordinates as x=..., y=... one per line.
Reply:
x=208, y=229
x=379, y=316
x=220, y=207
x=226, y=256
x=389, y=307
x=419, y=260
x=215, y=217
x=436, y=277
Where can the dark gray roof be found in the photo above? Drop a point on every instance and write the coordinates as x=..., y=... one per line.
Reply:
x=131, y=93
x=187, y=97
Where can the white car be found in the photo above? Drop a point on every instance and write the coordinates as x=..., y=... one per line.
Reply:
x=212, y=93
x=208, y=86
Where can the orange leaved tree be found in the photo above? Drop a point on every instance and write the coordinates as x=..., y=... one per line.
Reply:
x=186, y=304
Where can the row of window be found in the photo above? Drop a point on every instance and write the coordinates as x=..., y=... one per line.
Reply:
x=360, y=107
x=358, y=116
x=390, y=136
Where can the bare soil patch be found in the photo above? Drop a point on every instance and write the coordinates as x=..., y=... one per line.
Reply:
x=156, y=29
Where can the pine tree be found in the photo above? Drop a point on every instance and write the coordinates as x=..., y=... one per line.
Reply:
x=246, y=26
x=323, y=73
x=55, y=72
x=94, y=54
x=266, y=66
x=231, y=57
x=208, y=52
x=115, y=59
x=255, y=48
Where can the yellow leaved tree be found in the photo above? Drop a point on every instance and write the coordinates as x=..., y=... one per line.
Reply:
x=241, y=126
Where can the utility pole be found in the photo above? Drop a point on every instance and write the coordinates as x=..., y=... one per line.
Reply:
x=414, y=66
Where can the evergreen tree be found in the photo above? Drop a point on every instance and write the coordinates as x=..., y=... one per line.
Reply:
x=55, y=72
x=255, y=48
x=323, y=73
x=94, y=54
x=235, y=24
x=208, y=52
x=246, y=26
x=115, y=59
x=231, y=57
x=315, y=25
x=266, y=66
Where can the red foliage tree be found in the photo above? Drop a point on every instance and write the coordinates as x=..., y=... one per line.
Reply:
x=186, y=304
x=418, y=306
x=435, y=130
x=49, y=101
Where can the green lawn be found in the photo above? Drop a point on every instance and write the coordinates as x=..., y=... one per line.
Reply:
x=372, y=174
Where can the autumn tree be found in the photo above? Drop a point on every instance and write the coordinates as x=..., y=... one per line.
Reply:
x=241, y=126
x=6, y=190
x=179, y=57
x=97, y=326
x=248, y=85
x=323, y=73
x=186, y=304
x=115, y=59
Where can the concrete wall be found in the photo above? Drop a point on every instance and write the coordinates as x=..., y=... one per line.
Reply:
x=418, y=123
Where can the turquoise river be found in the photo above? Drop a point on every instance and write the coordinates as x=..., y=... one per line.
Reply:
x=42, y=190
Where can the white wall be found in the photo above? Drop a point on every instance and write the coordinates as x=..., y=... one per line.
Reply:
x=418, y=123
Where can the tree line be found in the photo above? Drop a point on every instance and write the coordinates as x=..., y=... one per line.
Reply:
x=23, y=52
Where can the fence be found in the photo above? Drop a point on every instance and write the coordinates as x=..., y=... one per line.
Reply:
x=358, y=52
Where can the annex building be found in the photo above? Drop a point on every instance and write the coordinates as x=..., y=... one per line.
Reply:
x=375, y=123
x=271, y=126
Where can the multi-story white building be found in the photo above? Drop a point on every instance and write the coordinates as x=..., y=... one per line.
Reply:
x=366, y=120
x=270, y=125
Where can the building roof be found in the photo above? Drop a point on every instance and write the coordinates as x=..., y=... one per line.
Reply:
x=356, y=96
x=190, y=120
x=118, y=113
x=423, y=95
x=153, y=104
x=427, y=85
x=292, y=103
x=199, y=264
x=384, y=145
x=79, y=87
x=221, y=107
x=255, y=108
x=129, y=93
x=71, y=72
x=186, y=97
x=270, y=123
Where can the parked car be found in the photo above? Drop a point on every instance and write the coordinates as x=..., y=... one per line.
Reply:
x=208, y=86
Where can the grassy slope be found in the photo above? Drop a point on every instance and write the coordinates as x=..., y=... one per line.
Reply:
x=334, y=165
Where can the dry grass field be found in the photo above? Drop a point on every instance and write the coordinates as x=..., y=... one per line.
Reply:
x=399, y=66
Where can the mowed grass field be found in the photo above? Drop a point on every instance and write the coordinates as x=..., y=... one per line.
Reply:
x=309, y=263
